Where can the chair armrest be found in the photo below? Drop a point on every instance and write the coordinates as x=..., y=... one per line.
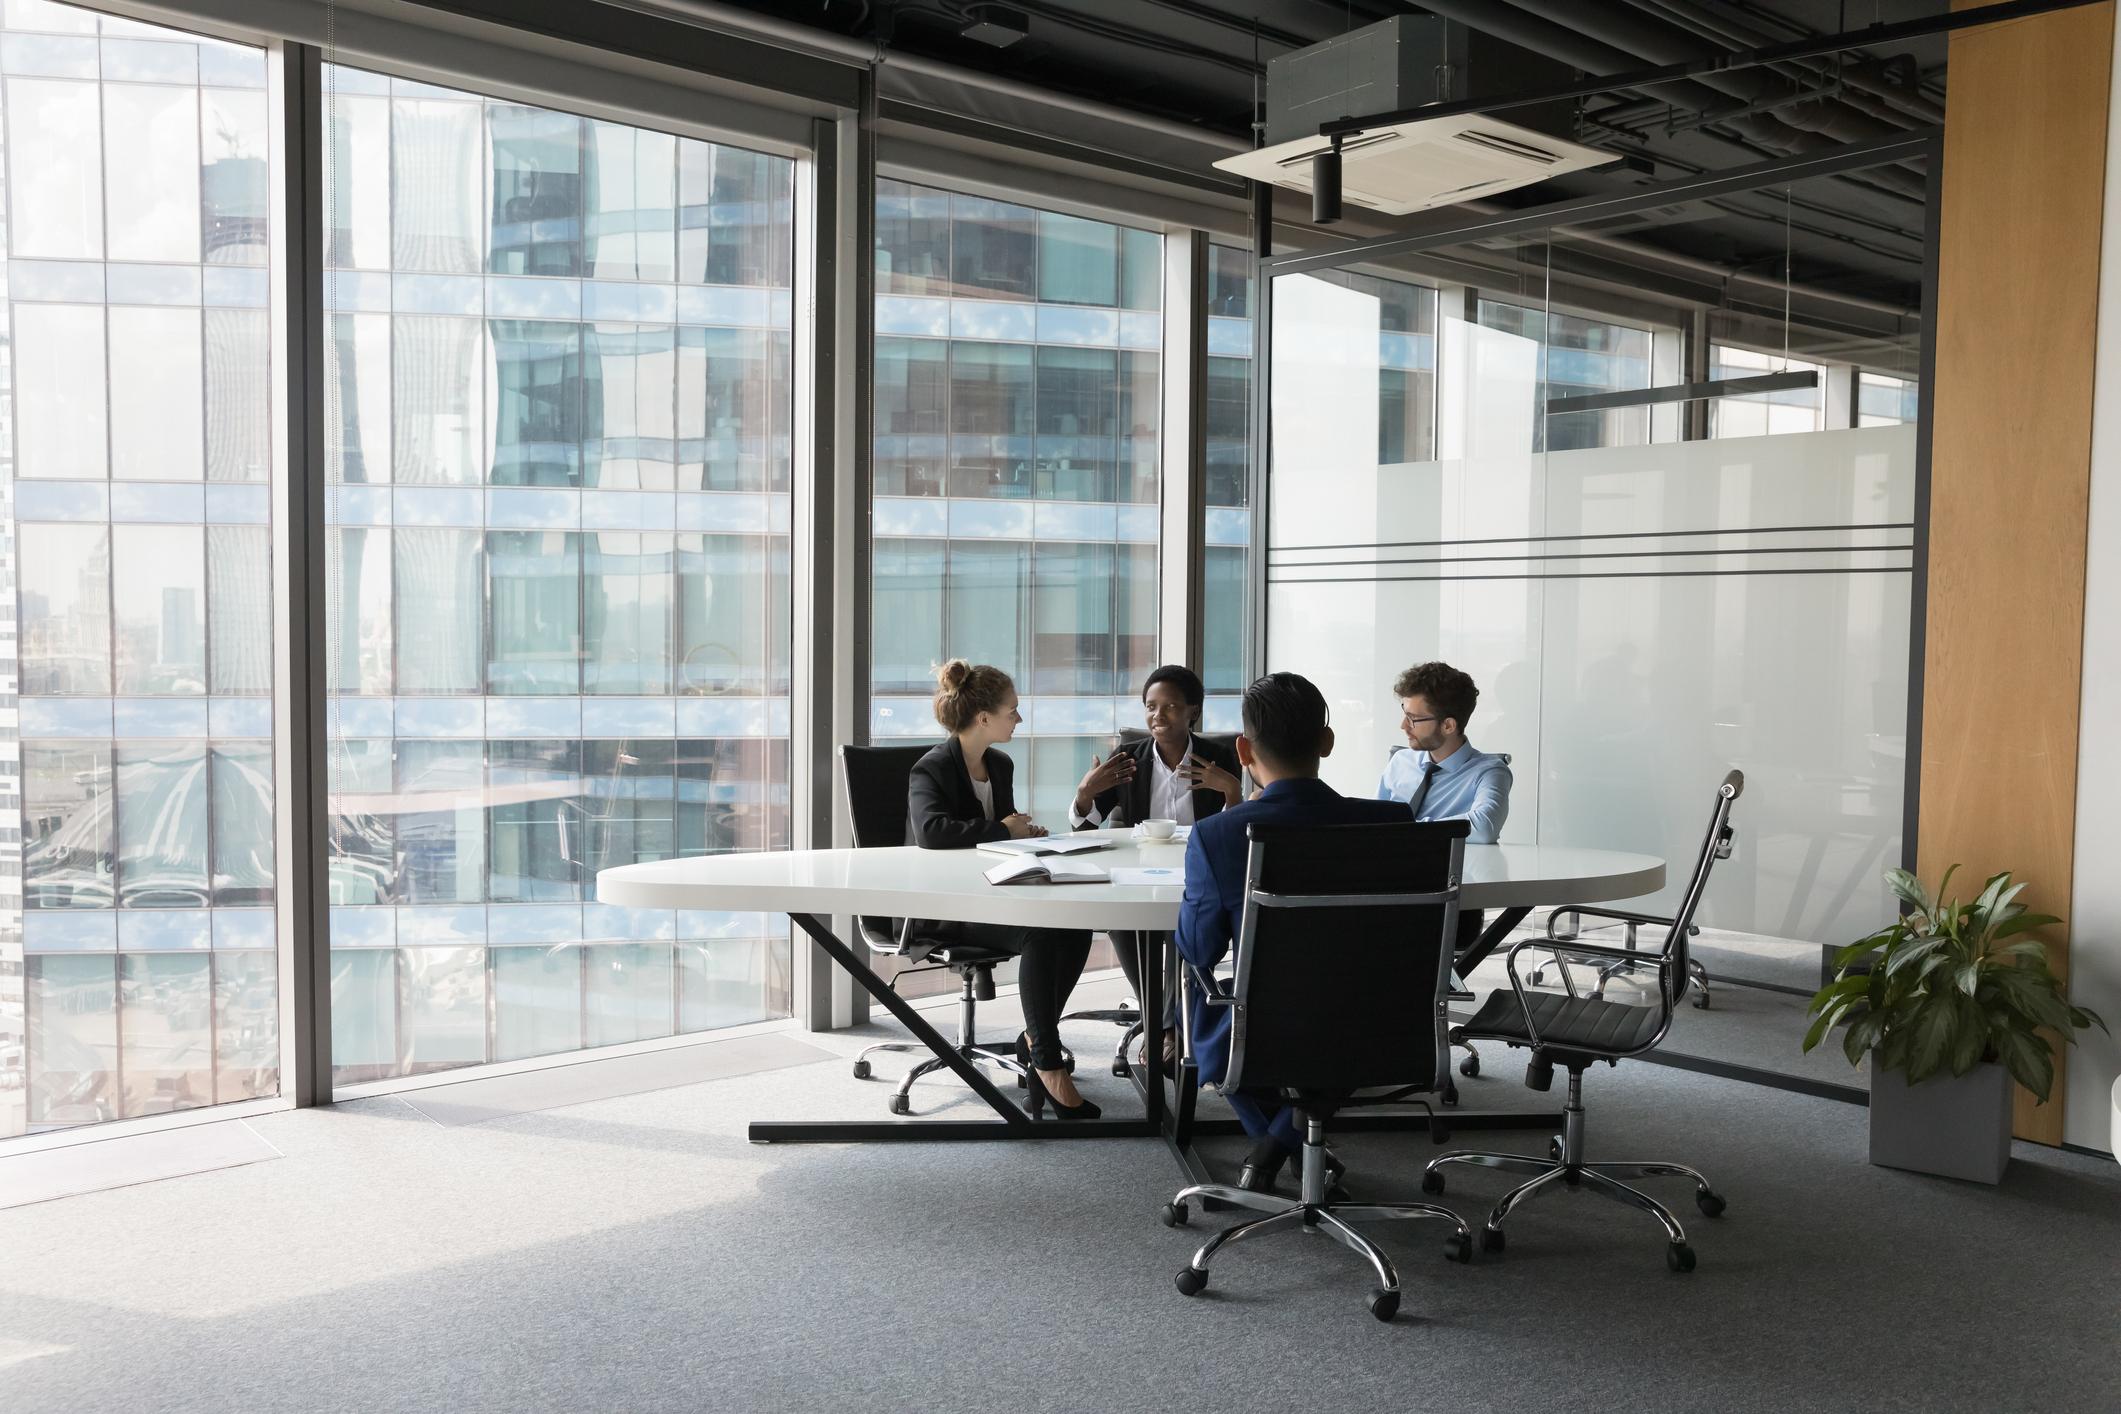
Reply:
x=1614, y=914
x=1646, y=959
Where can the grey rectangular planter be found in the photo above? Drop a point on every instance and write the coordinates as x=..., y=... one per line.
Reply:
x=1957, y=1126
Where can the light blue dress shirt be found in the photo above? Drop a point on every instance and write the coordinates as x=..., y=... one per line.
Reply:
x=1471, y=785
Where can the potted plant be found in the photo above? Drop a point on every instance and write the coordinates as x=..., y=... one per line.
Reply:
x=1950, y=1012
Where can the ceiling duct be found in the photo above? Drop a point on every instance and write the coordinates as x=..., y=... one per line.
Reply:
x=1413, y=166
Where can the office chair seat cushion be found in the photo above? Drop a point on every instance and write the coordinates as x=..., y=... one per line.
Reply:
x=1565, y=1023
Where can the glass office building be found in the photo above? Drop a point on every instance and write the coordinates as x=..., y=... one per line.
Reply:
x=558, y=412
x=1018, y=466
x=137, y=963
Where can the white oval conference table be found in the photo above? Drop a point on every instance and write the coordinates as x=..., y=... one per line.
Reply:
x=1507, y=881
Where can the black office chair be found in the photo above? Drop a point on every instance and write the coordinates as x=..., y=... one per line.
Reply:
x=1343, y=958
x=1573, y=1032
x=1697, y=976
x=877, y=778
x=1127, y=1015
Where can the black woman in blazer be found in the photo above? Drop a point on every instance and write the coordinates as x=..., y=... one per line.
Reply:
x=1172, y=698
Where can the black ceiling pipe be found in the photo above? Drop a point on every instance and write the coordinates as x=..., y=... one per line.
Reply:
x=1622, y=39
x=1869, y=77
x=1578, y=51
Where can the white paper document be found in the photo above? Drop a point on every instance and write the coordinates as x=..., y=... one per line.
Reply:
x=1046, y=871
x=1047, y=844
x=1149, y=878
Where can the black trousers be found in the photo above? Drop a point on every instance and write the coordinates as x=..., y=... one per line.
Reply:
x=1049, y=960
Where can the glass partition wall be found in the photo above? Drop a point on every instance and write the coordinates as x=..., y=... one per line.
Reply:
x=1647, y=592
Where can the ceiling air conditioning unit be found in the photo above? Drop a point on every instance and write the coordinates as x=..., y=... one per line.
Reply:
x=1413, y=166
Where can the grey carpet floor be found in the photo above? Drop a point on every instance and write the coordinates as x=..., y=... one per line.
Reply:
x=635, y=1253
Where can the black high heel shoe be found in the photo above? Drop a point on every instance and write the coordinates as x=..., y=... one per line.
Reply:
x=1040, y=1097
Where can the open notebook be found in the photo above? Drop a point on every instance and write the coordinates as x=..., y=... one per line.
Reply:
x=1046, y=871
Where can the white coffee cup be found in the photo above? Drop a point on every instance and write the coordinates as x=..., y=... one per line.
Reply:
x=1159, y=829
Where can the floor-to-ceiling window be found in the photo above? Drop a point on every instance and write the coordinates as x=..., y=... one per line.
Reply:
x=1226, y=596
x=558, y=407
x=1018, y=410
x=138, y=971
x=1766, y=414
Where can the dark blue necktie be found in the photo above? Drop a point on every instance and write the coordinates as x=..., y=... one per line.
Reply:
x=1429, y=772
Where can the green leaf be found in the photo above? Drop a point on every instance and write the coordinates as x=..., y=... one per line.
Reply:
x=1863, y=1033
x=2023, y=923
x=2029, y=1061
x=1909, y=888
x=1818, y=1030
x=1842, y=990
x=2027, y=950
x=1863, y=947
x=1911, y=954
x=1968, y=978
x=1929, y=1041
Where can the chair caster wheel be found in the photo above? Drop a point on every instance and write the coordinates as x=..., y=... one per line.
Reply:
x=1174, y=1215
x=1023, y=1081
x=1432, y=1182
x=861, y=1070
x=1119, y=1068
x=1384, y=1304
x=1554, y=1148
x=1449, y=1097
x=1538, y=977
x=1439, y=1135
x=1469, y=1067
x=1710, y=1202
x=1458, y=1247
x=1491, y=1239
x=1702, y=1001
x=1679, y=1257
x=1190, y=1281
x=901, y=1105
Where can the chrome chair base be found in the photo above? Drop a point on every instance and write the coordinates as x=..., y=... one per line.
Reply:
x=1312, y=1214
x=1567, y=1166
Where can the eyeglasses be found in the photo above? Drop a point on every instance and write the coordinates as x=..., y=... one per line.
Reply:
x=1412, y=720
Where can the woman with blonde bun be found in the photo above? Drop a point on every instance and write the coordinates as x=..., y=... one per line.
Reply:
x=960, y=796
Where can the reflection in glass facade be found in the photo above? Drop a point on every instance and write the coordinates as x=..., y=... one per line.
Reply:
x=1580, y=356
x=137, y=964
x=560, y=411
x=1017, y=468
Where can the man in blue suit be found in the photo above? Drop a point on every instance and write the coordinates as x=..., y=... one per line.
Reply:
x=1285, y=736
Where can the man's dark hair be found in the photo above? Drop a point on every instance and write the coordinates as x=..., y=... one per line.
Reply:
x=1285, y=715
x=1181, y=677
x=1449, y=692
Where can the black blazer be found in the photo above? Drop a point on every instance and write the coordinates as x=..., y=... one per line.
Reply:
x=941, y=810
x=1133, y=797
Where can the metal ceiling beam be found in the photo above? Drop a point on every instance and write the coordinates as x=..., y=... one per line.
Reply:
x=1869, y=36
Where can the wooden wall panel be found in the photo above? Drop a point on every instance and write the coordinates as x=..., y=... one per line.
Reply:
x=2010, y=466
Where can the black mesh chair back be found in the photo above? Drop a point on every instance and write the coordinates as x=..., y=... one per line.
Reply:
x=878, y=779
x=1343, y=956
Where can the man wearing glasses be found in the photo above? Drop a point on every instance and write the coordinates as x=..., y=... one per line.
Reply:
x=1440, y=775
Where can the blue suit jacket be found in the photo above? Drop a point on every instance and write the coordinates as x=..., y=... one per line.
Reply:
x=1215, y=886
